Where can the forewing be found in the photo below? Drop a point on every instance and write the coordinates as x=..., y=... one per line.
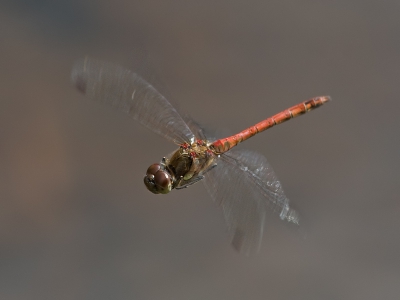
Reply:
x=199, y=131
x=245, y=185
x=121, y=88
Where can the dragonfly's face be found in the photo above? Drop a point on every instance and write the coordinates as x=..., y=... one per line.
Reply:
x=158, y=180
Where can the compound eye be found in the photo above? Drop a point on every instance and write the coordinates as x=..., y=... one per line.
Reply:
x=158, y=180
x=163, y=181
x=149, y=183
x=152, y=170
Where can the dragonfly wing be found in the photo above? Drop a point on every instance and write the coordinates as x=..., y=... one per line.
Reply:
x=195, y=127
x=245, y=185
x=121, y=88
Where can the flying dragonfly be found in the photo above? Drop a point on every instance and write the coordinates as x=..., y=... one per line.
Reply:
x=242, y=182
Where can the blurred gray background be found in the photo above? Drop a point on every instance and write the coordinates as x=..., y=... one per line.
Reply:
x=76, y=221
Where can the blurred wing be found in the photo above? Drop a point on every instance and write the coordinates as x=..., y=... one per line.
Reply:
x=195, y=127
x=127, y=91
x=245, y=185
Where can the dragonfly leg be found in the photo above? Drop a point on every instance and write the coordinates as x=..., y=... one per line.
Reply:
x=209, y=169
x=189, y=182
x=193, y=180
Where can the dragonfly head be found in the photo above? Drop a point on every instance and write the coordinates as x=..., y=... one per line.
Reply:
x=158, y=180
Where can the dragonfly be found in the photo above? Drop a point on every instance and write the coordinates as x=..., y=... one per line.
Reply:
x=241, y=181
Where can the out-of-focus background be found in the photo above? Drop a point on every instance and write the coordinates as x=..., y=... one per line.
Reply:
x=76, y=221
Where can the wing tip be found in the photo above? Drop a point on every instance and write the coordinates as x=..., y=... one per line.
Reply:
x=78, y=75
x=80, y=82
